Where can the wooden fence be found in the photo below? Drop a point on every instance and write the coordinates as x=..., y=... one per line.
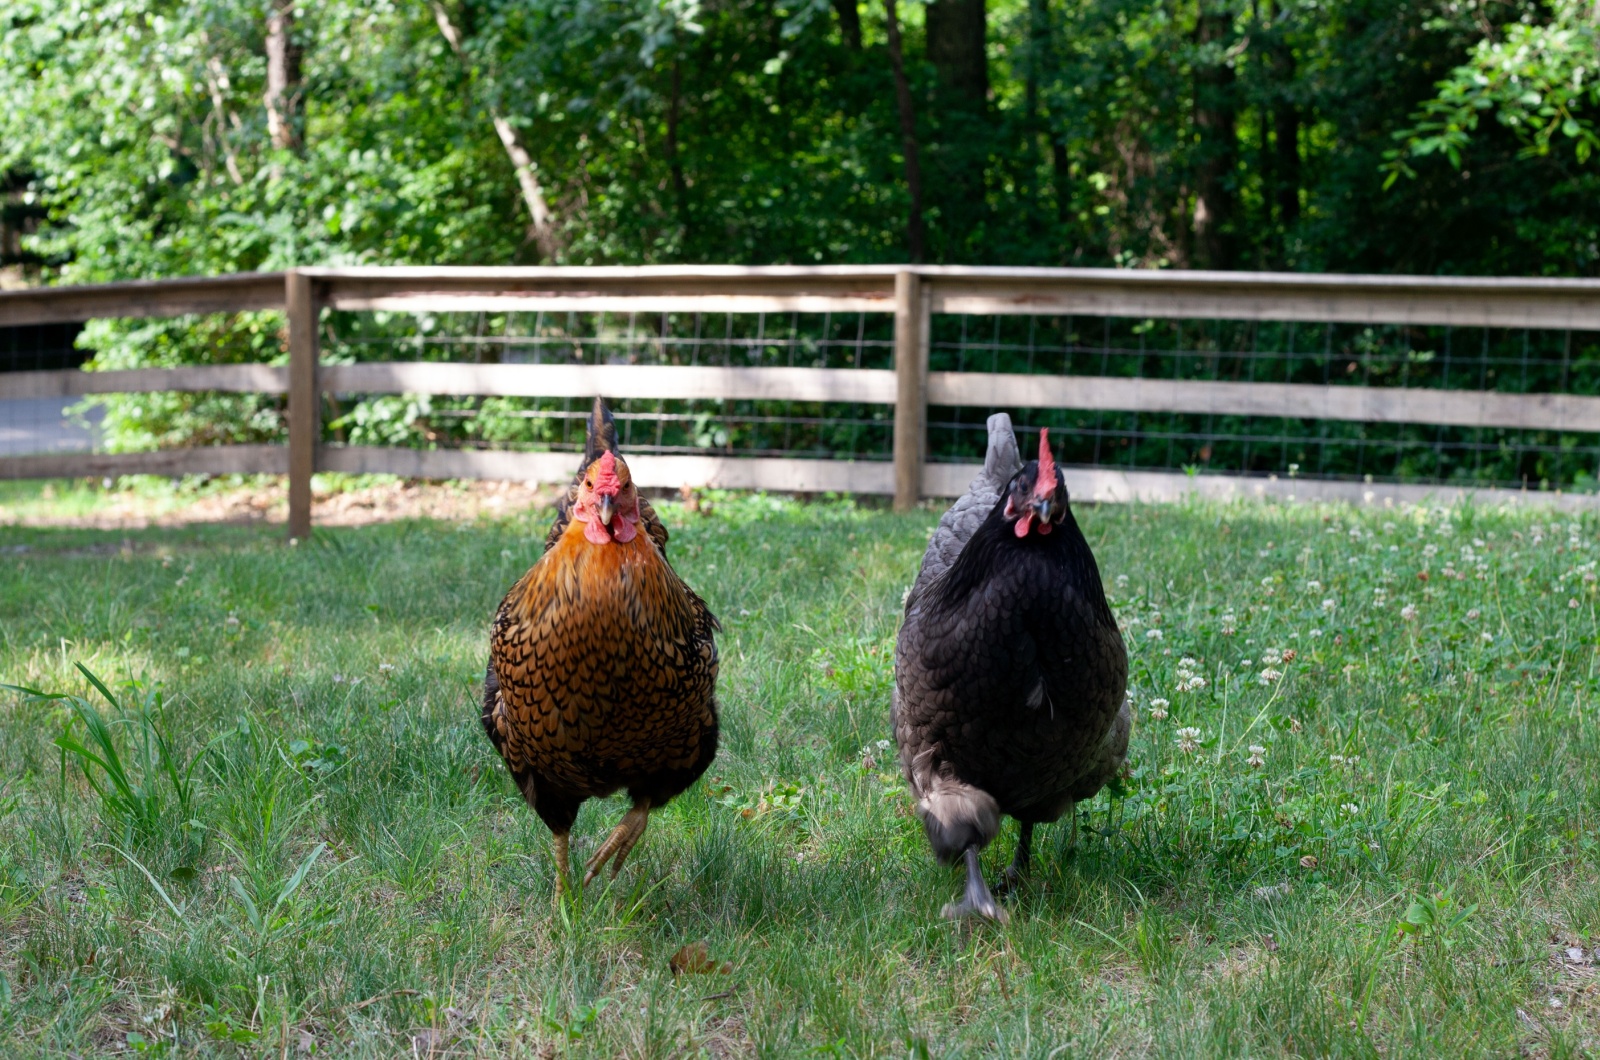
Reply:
x=911, y=293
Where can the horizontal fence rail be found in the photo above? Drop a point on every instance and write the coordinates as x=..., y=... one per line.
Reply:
x=1360, y=404
x=911, y=294
x=613, y=380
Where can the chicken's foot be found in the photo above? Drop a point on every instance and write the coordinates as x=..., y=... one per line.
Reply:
x=620, y=842
x=1017, y=871
x=977, y=901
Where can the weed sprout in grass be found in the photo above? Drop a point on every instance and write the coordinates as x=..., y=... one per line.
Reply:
x=144, y=786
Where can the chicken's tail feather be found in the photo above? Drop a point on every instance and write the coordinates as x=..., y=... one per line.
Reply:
x=955, y=815
x=602, y=435
x=1002, y=459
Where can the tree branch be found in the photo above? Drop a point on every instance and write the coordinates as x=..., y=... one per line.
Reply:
x=541, y=230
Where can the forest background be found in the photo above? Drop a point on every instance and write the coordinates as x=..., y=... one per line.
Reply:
x=149, y=138
x=143, y=138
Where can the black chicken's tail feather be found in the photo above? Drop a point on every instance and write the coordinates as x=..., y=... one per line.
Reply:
x=955, y=815
x=602, y=436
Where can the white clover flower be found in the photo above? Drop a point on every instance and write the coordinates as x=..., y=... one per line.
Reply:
x=1197, y=682
x=1154, y=634
x=883, y=745
x=1122, y=579
x=384, y=668
x=1486, y=637
x=1266, y=583
x=1256, y=759
x=1158, y=709
x=1430, y=550
x=1313, y=586
x=1272, y=656
x=1187, y=663
x=232, y=620
x=1336, y=760
x=1244, y=664
x=1328, y=604
x=1573, y=603
x=1409, y=612
x=1315, y=633
x=1350, y=809
x=1188, y=740
x=1267, y=676
x=1474, y=614
x=505, y=553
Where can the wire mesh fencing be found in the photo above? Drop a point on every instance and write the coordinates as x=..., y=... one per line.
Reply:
x=42, y=424
x=1339, y=355
x=1513, y=361
x=1381, y=357
x=817, y=430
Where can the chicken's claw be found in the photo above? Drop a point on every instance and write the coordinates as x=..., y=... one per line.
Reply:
x=620, y=842
x=977, y=901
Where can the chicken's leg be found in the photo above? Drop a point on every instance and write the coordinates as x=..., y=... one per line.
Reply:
x=977, y=901
x=1017, y=871
x=620, y=842
x=563, y=869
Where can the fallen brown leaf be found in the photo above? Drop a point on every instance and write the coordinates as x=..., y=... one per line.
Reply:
x=695, y=959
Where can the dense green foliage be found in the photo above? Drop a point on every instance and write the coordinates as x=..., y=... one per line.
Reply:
x=1339, y=135
x=665, y=130
x=1359, y=820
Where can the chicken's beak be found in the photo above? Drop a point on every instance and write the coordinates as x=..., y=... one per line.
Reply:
x=604, y=507
x=1043, y=508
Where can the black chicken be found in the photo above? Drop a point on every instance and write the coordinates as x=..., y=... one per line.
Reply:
x=1010, y=673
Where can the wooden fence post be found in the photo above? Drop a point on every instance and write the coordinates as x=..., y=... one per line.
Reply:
x=910, y=407
x=300, y=305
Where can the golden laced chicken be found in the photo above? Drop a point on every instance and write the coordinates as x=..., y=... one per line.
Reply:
x=602, y=664
x=1010, y=673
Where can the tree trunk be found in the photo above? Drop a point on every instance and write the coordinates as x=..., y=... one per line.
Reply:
x=1038, y=56
x=1286, y=136
x=541, y=229
x=1215, y=119
x=680, y=186
x=956, y=48
x=849, y=23
x=283, y=77
x=915, y=238
x=1062, y=172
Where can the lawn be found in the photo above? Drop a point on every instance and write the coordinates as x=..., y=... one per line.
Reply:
x=1360, y=817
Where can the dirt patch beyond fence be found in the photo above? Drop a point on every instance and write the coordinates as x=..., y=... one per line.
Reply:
x=267, y=502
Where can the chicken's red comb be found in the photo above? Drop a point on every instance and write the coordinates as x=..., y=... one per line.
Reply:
x=1045, y=484
x=605, y=475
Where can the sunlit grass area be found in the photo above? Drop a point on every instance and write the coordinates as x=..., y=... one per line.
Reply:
x=1360, y=816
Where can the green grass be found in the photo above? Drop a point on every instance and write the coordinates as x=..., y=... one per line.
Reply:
x=313, y=846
